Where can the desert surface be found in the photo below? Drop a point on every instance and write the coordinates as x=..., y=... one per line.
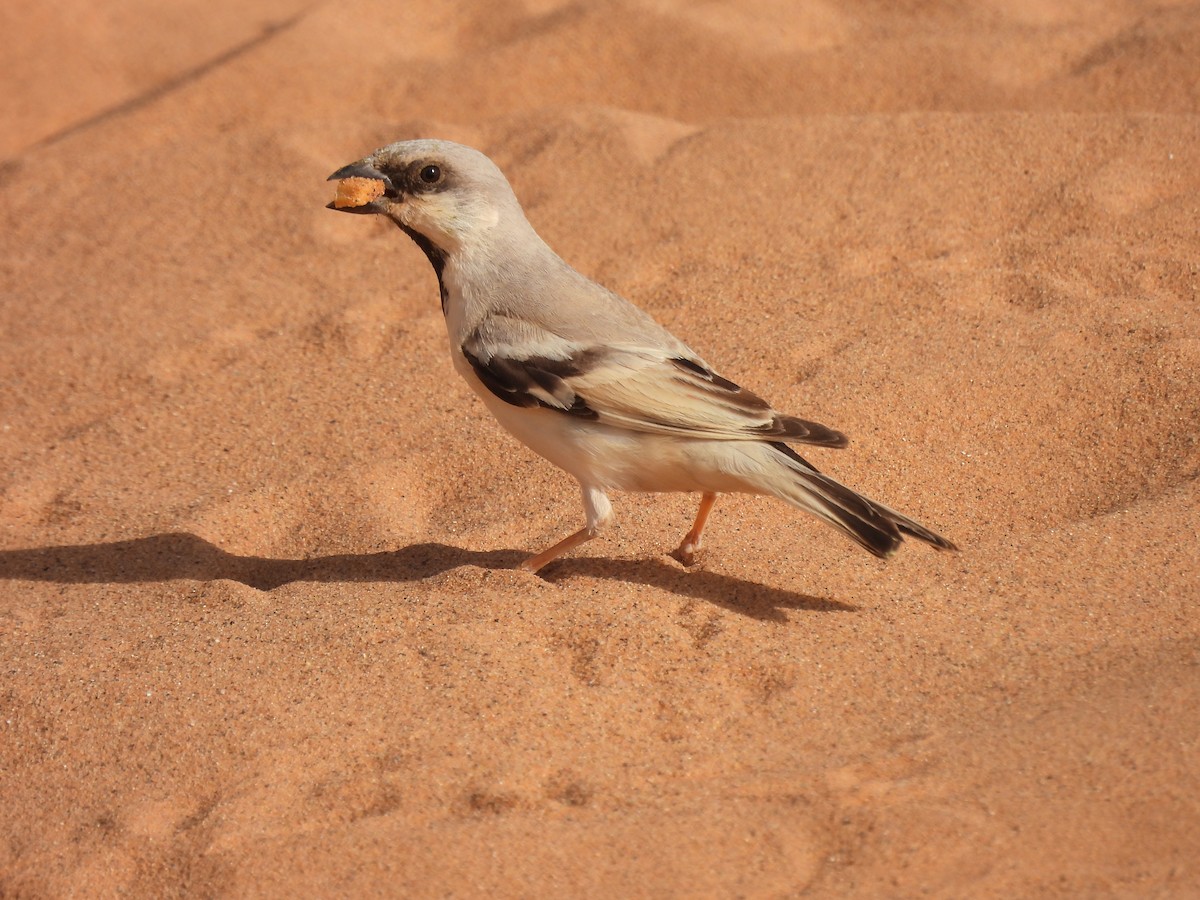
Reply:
x=260, y=630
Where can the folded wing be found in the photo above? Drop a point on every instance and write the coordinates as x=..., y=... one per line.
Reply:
x=637, y=387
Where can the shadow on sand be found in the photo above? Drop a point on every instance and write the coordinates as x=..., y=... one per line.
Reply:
x=178, y=555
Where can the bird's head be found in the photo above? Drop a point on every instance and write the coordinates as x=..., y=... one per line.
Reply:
x=449, y=194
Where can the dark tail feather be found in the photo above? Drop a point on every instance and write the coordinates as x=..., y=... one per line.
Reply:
x=875, y=527
x=919, y=531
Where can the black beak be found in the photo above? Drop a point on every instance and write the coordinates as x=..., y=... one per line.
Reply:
x=361, y=169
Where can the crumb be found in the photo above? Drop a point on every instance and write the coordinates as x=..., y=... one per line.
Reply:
x=357, y=192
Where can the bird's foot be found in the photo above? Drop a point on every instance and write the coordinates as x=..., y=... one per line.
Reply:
x=687, y=553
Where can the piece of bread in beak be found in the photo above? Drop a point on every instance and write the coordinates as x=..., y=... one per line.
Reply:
x=357, y=192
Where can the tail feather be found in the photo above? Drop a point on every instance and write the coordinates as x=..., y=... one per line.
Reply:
x=877, y=528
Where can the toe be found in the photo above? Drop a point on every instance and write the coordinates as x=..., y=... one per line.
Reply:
x=687, y=553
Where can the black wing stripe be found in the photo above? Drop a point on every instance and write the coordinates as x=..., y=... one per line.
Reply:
x=738, y=399
x=703, y=377
x=806, y=432
x=690, y=365
x=531, y=382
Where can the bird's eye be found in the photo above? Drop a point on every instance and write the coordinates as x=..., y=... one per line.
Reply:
x=431, y=174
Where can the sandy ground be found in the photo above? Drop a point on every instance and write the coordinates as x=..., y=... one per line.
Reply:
x=259, y=629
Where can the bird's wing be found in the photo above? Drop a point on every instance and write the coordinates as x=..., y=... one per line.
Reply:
x=640, y=387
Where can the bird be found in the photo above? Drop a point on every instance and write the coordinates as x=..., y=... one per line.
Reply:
x=583, y=377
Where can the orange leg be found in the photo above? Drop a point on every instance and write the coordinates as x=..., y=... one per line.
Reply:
x=597, y=511
x=550, y=554
x=686, y=553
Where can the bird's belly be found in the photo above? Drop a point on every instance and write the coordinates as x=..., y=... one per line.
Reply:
x=594, y=454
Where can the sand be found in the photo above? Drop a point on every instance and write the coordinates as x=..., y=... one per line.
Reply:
x=259, y=629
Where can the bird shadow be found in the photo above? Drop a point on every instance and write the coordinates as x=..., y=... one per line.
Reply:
x=180, y=555
x=757, y=601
